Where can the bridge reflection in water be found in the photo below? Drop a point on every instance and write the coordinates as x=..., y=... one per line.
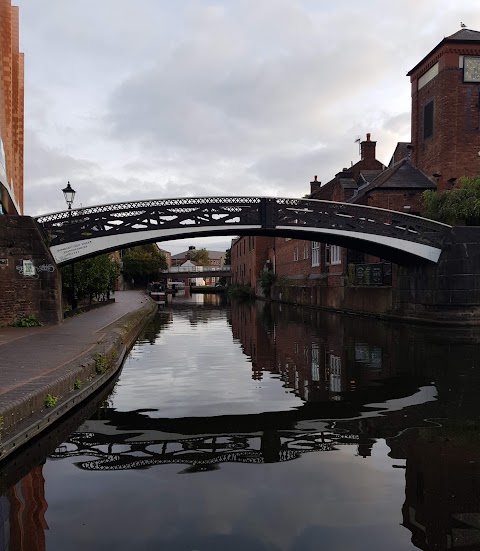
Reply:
x=362, y=382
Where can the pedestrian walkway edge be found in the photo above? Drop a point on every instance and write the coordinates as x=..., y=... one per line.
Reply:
x=28, y=416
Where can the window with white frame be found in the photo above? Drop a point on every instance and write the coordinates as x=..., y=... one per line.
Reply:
x=335, y=373
x=315, y=253
x=305, y=250
x=295, y=253
x=315, y=363
x=333, y=254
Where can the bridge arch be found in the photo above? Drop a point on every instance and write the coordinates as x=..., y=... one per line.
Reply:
x=396, y=236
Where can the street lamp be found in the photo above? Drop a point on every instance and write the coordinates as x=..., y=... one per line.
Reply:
x=69, y=194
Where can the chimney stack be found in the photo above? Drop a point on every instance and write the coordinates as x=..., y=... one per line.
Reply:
x=367, y=152
x=314, y=186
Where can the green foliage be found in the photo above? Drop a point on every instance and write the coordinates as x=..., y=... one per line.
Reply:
x=94, y=277
x=143, y=264
x=51, y=401
x=228, y=257
x=101, y=363
x=26, y=321
x=459, y=206
x=200, y=257
x=77, y=384
x=267, y=279
x=241, y=291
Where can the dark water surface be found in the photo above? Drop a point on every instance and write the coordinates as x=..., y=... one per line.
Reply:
x=263, y=427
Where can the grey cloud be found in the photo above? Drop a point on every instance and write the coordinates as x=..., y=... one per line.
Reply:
x=253, y=97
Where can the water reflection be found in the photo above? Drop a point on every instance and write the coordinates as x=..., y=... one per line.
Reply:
x=366, y=433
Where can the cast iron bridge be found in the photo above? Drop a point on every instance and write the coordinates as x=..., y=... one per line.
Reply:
x=114, y=452
x=198, y=271
x=392, y=235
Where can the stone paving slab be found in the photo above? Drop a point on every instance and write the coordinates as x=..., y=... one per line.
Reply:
x=29, y=354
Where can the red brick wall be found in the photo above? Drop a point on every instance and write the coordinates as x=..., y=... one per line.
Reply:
x=248, y=257
x=285, y=263
x=453, y=149
x=396, y=200
x=12, y=100
x=38, y=295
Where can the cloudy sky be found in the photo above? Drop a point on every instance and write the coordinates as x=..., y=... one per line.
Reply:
x=171, y=98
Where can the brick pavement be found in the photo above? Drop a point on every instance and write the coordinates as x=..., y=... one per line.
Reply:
x=28, y=355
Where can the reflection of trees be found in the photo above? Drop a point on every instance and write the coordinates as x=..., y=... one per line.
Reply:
x=200, y=314
x=161, y=320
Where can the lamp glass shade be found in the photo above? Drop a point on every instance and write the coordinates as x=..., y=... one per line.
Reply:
x=69, y=194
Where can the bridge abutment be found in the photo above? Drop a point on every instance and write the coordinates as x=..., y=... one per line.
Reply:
x=29, y=279
x=448, y=290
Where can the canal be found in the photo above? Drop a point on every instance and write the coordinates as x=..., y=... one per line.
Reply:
x=262, y=427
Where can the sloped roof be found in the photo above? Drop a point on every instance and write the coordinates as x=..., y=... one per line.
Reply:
x=463, y=35
x=188, y=263
x=401, y=151
x=402, y=175
x=212, y=255
x=369, y=175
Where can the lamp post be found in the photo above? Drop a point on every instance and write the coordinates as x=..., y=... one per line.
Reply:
x=69, y=194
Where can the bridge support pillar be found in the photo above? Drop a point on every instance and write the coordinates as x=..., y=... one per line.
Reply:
x=447, y=291
x=29, y=279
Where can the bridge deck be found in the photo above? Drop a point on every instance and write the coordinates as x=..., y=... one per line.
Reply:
x=389, y=234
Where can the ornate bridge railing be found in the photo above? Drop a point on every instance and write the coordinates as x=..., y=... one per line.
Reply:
x=197, y=269
x=201, y=452
x=85, y=232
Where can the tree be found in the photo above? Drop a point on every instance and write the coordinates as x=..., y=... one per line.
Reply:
x=200, y=257
x=460, y=206
x=94, y=277
x=228, y=257
x=143, y=263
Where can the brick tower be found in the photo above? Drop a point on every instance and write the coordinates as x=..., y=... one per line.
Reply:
x=446, y=109
x=11, y=111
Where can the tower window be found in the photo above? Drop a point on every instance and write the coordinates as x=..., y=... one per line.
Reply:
x=428, y=120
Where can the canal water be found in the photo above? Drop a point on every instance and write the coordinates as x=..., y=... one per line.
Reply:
x=262, y=427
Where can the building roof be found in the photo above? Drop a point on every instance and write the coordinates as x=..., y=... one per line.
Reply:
x=464, y=35
x=369, y=175
x=402, y=151
x=402, y=175
x=212, y=255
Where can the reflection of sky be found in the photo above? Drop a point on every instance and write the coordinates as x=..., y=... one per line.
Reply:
x=197, y=370
x=325, y=500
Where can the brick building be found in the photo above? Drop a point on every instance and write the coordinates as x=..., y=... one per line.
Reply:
x=11, y=111
x=215, y=258
x=445, y=146
x=249, y=256
x=445, y=109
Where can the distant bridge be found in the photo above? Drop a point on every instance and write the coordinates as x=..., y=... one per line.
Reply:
x=396, y=236
x=198, y=271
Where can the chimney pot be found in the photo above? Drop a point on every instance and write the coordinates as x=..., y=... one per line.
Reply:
x=368, y=136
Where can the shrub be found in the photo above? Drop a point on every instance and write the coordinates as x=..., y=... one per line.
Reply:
x=51, y=401
x=26, y=321
x=267, y=279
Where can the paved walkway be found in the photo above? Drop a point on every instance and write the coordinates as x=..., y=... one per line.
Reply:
x=27, y=354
